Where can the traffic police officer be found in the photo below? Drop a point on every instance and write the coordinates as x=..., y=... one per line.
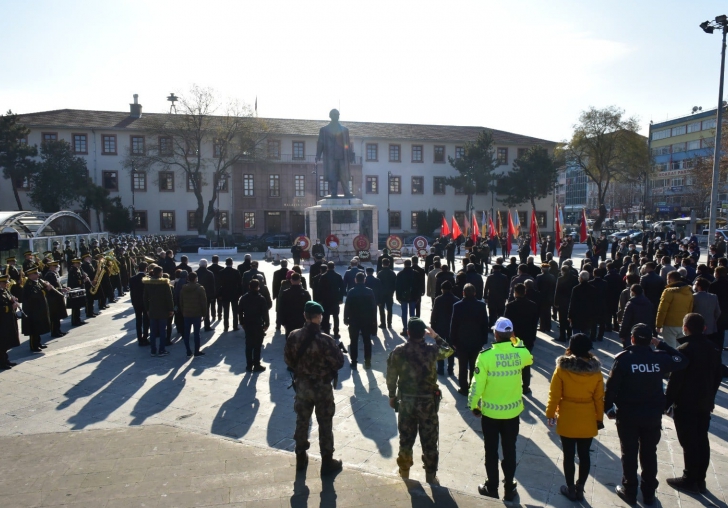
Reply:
x=412, y=383
x=496, y=397
x=635, y=387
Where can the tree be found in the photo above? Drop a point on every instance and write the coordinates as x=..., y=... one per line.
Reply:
x=428, y=221
x=607, y=147
x=117, y=218
x=97, y=199
x=533, y=177
x=16, y=156
x=174, y=142
x=59, y=179
x=476, y=168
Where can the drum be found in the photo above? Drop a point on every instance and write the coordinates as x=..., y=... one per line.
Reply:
x=76, y=298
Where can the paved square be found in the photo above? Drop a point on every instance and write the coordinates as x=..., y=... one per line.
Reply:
x=213, y=434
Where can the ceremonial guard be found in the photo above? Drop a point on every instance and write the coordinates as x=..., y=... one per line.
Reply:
x=28, y=262
x=76, y=280
x=36, y=321
x=9, y=337
x=315, y=361
x=14, y=274
x=56, y=300
x=414, y=393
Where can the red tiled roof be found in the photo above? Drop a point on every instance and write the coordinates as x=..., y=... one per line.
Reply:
x=115, y=120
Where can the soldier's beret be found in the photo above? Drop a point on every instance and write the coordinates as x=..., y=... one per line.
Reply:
x=312, y=307
x=416, y=327
x=31, y=271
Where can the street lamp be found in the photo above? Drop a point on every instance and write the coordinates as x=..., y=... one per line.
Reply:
x=389, y=188
x=721, y=22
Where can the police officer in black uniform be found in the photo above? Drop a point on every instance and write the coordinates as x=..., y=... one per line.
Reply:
x=635, y=387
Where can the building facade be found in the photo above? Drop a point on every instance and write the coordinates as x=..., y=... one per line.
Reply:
x=401, y=168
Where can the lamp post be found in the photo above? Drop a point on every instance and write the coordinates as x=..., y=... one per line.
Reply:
x=389, y=188
x=721, y=22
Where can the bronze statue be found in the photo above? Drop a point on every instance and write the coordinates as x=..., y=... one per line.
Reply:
x=334, y=144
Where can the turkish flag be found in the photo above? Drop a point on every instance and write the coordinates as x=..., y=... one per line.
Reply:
x=491, y=226
x=444, y=229
x=583, y=231
x=534, y=232
x=455, y=229
x=511, y=232
x=476, y=232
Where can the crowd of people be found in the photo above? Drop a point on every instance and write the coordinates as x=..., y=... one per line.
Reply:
x=659, y=296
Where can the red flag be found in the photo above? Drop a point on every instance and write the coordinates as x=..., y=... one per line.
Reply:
x=491, y=227
x=534, y=232
x=511, y=232
x=455, y=229
x=583, y=231
x=476, y=232
x=557, y=230
x=444, y=229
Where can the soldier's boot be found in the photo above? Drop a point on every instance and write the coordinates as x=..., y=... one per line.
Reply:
x=511, y=490
x=330, y=465
x=431, y=478
x=301, y=461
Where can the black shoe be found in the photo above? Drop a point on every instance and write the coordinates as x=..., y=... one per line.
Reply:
x=684, y=484
x=511, y=491
x=81, y=323
x=526, y=390
x=569, y=492
x=91, y=316
x=13, y=364
x=485, y=490
x=259, y=368
x=648, y=499
x=579, y=491
x=463, y=391
x=202, y=353
x=6, y=366
x=624, y=495
x=249, y=368
x=189, y=353
x=225, y=329
x=43, y=346
x=383, y=326
x=208, y=329
x=36, y=350
x=236, y=328
x=343, y=348
x=143, y=343
x=330, y=465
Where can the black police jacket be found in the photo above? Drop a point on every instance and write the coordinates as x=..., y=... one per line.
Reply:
x=635, y=382
x=694, y=389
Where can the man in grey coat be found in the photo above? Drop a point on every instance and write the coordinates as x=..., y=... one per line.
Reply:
x=707, y=305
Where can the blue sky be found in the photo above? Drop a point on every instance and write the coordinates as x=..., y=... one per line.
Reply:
x=523, y=66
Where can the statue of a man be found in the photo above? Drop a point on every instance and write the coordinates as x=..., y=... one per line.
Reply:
x=333, y=144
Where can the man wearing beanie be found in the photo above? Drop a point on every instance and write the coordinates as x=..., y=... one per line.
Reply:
x=496, y=398
x=315, y=361
x=413, y=391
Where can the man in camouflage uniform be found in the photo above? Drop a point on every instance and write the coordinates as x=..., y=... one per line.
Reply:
x=412, y=382
x=315, y=360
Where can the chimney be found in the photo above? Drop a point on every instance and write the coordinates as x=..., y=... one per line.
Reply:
x=135, y=110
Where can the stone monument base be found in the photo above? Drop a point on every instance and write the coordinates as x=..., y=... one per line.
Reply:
x=345, y=218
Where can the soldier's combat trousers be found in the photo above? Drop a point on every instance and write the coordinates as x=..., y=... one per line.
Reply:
x=418, y=415
x=313, y=395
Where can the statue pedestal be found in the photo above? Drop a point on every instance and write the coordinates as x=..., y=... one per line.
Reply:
x=346, y=218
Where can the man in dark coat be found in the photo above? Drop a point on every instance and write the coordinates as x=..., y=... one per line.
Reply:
x=253, y=311
x=450, y=254
x=215, y=268
x=206, y=279
x=524, y=314
x=600, y=304
x=615, y=286
x=376, y=286
x=9, y=337
x=468, y=334
x=291, y=304
x=420, y=277
x=582, y=312
x=406, y=292
x=360, y=315
x=719, y=287
x=141, y=318
x=440, y=278
x=278, y=277
x=495, y=292
x=474, y=278
x=546, y=285
x=562, y=299
x=244, y=267
x=55, y=299
x=350, y=275
x=314, y=270
x=652, y=283
x=316, y=282
x=522, y=277
x=332, y=291
x=440, y=320
x=36, y=321
x=389, y=283
x=229, y=291
x=638, y=310
x=168, y=264
x=385, y=255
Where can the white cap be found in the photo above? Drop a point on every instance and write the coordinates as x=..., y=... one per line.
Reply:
x=503, y=325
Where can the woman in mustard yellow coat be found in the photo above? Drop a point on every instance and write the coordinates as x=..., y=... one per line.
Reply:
x=576, y=405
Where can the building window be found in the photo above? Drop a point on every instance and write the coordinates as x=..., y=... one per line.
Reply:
x=166, y=181
x=274, y=186
x=418, y=185
x=140, y=220
x=372, y=152
x=438, y=185
x=372, y=185
x=221, y=220
x=139, y=181
x=694, y=127
x=665, y=133
x=395, y=153
x=416, y=153
x=137, y=145
x=414, y=220
x=165, y=145
x=223, y=183
x=694, y=145
x=274, y=149
x=521, y=153
x=192, y=222
x=679, y=130
x=323, y=187
x=22, y=183
x=709, y=124
x=249, y=220
x=300, y=185
x=459, y=152
x=80, y=144
x=502, y=155
x=677, y=182
x=248, y=187
x=439, y=153
x=108, y=144
x=217, y=148
x=678, y=147
x=299, y=150
x=193, y=182
x=110, y=180
x=49, y=136
x=166, y=220
x=395, y=220
x=395, y=185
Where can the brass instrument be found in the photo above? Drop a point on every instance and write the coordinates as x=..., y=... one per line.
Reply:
x=113, y=264
x=96, y=284
x=40, y=264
